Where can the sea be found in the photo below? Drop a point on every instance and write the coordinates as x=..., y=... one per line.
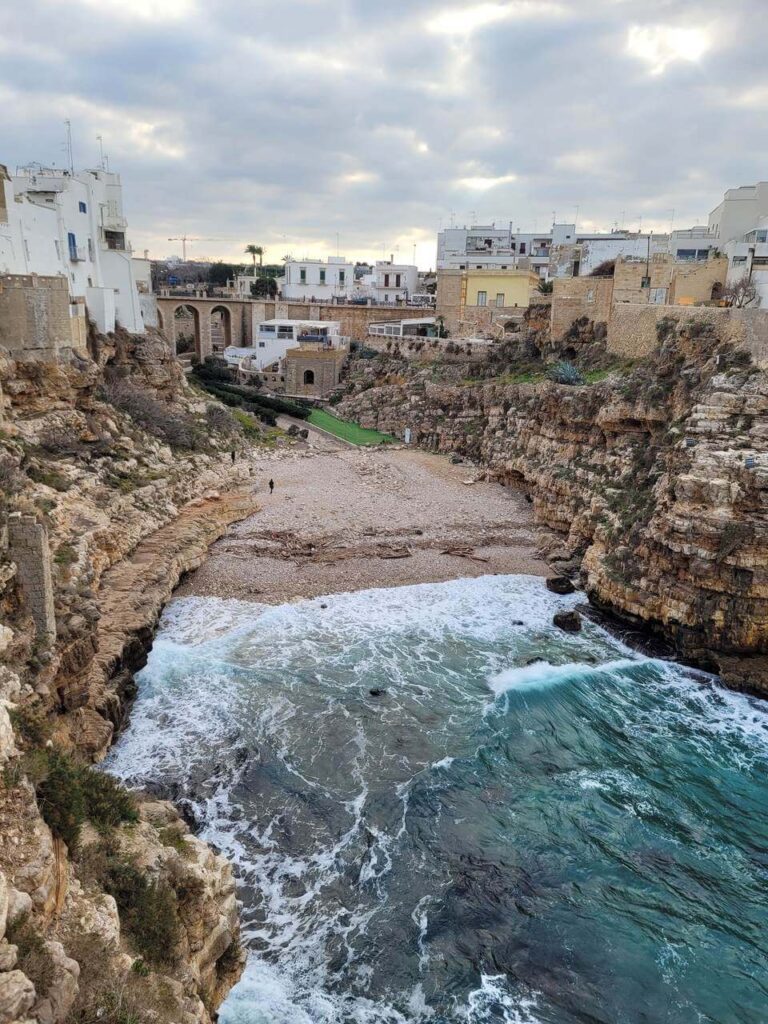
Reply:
x=441, y=808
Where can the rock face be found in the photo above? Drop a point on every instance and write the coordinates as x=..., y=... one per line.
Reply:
x=126, y=516
x=655, y=479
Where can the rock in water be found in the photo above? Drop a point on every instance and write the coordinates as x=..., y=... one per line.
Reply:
x=377, y=692
x=560, y=585
x=568, y=621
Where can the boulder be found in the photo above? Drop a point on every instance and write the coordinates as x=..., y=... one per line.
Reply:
x=560, y=585
x=17, y=994
x=570, y=622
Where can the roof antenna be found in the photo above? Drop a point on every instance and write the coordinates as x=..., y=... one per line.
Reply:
x=70, y=160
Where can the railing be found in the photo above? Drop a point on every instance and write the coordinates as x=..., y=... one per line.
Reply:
x=77, y=253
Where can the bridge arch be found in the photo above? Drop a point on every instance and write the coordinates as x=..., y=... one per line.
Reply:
x=220, y=327
x=187, y=337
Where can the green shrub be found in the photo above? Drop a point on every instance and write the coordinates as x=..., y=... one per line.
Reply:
x=148, y=910
x=60, y=798
x=565, y=373
x=30, y=725
x=69, y=793
x=107, y=802
x=65, y=554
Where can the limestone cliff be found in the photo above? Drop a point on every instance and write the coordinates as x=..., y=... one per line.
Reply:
x=109, y=908
x=654, y=478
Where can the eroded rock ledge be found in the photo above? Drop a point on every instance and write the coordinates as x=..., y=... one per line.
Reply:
x=654, y=480
x=135, y=919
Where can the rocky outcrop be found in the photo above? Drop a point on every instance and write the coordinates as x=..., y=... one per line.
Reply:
x=653, y=481
x=127, y=515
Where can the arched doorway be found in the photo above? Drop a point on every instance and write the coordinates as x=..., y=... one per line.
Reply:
x=309, y=377
x=186, y=320
x=221, y=328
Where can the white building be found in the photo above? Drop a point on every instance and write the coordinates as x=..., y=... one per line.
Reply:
x=562, y=252
x=275, y=337
x=394, y=282
x=73, y=225
x=416, y=327
x=739, y=212
x=318, y=280
x=748, y=257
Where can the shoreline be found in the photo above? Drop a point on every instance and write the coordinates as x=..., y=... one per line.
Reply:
x=342, y=520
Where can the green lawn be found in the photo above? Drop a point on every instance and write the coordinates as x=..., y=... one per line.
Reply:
x=347, y=431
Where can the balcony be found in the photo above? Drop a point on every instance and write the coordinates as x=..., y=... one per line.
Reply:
x=77, y=254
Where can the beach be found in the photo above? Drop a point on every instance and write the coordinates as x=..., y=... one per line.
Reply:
x=343, y=519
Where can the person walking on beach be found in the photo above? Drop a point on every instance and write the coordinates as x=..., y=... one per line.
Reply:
x=271, y=486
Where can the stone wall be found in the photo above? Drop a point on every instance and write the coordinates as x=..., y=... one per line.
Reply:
x=574, y=297
x=632, y=330
x=34, y=316
x=28, y=548
x=324, y=366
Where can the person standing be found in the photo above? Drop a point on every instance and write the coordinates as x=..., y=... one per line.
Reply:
x=271, y=486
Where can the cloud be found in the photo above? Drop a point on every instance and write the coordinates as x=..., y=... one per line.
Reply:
x=252, y=121
x=464, y=19
x=483, y=184
x=662, y=45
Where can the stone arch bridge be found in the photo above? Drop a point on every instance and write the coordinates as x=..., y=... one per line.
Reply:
x=236, y=321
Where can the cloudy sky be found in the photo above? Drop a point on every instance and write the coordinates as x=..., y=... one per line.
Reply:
x=289, y=123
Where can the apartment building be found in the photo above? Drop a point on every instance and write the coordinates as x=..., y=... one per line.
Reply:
x=54, y=222
x=318, y=280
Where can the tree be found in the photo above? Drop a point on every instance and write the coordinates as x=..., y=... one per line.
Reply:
x=254, y=251
x=741, y=293
x=264, y=287
x=545, y=287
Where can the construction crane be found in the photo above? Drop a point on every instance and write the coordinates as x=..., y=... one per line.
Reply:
x=189, y=238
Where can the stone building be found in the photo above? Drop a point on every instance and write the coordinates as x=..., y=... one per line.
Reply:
x=474, y=300
x=575, y=297
x=313, y=371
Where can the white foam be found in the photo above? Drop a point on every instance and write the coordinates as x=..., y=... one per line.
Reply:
x=542, y=674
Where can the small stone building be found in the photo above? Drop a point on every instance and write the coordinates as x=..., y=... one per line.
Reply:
x=313, y=371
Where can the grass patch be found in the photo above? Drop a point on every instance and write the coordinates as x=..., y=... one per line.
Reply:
x=348, y=431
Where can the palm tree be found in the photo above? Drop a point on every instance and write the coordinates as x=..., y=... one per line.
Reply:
x=254, y=251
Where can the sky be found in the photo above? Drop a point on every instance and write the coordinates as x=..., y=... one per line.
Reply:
x=362, y=127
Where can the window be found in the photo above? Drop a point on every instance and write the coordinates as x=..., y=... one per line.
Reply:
x=645, y=283
x=500, y=298
x=72, y=243
x=397, y=280
x=342, y=277
x=522, y=248
x=386, y=280
x=482, y=298
x=262, y=344
x=591, y=295
x=309, y=376
x=82, y=207
x=322, y=276
x=302, y=276
x=90, y=249
x=503, y=267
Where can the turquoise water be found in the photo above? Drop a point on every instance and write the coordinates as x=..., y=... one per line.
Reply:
x=581, y=839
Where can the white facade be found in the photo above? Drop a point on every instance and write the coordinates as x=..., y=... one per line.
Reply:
x=73, y=225
x=318, y=280
x=748, y=257
x=741, y=209
x=275, y=337
x=417, y=327
x=561, y=252
x=394, y=282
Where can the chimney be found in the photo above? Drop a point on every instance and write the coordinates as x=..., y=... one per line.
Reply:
x=391, y=257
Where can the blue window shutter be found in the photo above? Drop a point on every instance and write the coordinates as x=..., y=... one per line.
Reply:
x=72, y=245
